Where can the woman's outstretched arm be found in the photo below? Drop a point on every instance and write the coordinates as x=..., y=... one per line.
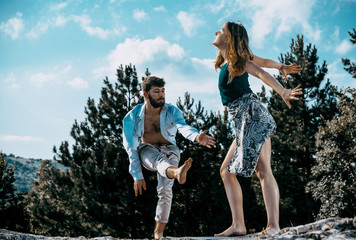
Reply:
x=284, y=69
x=286, y=94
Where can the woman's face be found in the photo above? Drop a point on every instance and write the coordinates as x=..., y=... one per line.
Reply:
x=221, y=37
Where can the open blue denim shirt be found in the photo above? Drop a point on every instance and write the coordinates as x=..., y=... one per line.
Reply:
x=171, y=119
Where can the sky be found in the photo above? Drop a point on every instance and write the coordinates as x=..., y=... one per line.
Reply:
x=54, y=55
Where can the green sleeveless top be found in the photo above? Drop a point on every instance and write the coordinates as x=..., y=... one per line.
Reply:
x=231, y=91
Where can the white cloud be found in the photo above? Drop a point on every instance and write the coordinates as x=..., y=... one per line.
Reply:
x=160, y=9
x=189, y=22
x=39, y=79
x=336, y=33
x=12, y=81
x=85, y=23
x=60, y=21
x=312, y=33
x=344, y=47
x=59, y=6
x=13, y=26
x=55, y=75
x=139, y=15
x=175, y=52
x=38, y=30
x=216, y=7
x=78, y=83
x=208, y=63
x=280, y=17
x=338, y=76
x=140, y=52
x=43, y=26
x=12, y=138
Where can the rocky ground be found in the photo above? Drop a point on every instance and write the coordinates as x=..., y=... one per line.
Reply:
x=332, y=228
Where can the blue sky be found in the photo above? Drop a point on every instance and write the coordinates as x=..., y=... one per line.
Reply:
x=55, y=54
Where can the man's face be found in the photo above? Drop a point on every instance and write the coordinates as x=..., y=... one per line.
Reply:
x=156, y=96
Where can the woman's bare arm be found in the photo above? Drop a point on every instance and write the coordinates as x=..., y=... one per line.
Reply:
x=286, y=94
x=284, y=69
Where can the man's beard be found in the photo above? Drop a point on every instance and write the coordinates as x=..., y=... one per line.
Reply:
x=154, y=103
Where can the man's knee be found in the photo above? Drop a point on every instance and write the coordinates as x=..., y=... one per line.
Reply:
x=165, y=193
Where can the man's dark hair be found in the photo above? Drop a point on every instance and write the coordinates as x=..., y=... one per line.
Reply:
x=152, y=81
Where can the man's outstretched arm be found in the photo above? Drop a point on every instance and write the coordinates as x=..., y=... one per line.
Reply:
x=190, y=132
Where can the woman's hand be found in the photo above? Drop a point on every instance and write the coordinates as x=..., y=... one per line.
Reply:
x=290, y=69
x=289, y=94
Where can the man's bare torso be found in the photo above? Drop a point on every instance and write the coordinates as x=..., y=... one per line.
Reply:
x=152, y=131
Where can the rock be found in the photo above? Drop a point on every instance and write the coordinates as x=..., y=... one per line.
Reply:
x=11, y=235
x=327, y=226
x=332, y=228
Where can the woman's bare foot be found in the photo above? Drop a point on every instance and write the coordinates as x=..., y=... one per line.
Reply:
x=181, y=172
x=232, y=231
x=268, y=232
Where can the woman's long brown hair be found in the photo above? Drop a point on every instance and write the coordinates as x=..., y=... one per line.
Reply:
x=238, y=51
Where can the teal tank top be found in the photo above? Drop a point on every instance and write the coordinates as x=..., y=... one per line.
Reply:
x=231, y=91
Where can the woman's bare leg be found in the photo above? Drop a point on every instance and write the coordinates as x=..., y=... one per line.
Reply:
x=234, y=196
x=269, y=188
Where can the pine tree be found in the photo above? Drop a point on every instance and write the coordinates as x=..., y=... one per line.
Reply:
x=334, y=176
x=7, y=191
x=48, y=202
x=11, y=207
x=350, y=66
x=293, y=145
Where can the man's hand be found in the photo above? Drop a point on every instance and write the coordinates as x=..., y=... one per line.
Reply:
x=138, y=186
x=290, y=69
x=289, y=94
x=205, y=140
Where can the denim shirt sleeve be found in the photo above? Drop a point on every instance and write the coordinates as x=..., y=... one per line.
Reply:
x=131, y=142
x=186, y=130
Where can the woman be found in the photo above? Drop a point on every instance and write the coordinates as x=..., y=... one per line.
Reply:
x=251, y=149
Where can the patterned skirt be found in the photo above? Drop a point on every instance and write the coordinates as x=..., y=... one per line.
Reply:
x=253, y=126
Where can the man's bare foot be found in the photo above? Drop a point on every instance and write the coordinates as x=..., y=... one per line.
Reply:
x=181, y=172
x=158, y=236
x=232, y=231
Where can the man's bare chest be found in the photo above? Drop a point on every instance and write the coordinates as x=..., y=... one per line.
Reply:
x=152, y=124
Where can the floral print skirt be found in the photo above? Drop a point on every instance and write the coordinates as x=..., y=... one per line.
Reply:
x=253, y=126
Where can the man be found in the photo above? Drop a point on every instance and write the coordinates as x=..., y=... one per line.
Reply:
x=149, y=139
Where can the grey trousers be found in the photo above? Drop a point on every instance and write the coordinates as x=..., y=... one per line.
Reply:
x=159, y=158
